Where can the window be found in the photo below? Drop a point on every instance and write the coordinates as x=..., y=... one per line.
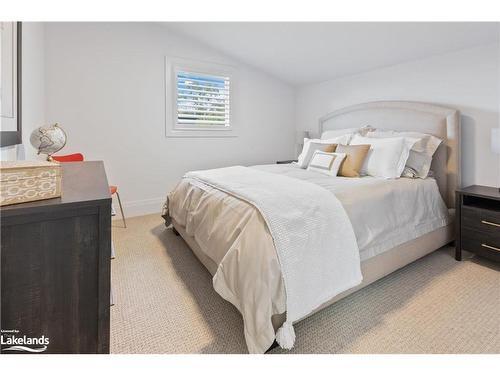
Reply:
x=198, y=99
x=202, y=100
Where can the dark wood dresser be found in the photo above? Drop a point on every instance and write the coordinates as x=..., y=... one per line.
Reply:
x=55, y=265
x=478, y=221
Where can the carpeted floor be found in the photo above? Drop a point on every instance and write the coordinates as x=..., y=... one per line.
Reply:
x=165, y=303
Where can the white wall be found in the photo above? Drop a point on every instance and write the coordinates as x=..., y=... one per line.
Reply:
x=104, y=82
x=467, y=80
x=105, y=86
x=33, y=89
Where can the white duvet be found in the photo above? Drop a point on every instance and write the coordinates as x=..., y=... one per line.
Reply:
x=317, y=263
x=384, y=213
x=233, y=234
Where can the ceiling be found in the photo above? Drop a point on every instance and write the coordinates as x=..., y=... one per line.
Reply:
x=303, y=53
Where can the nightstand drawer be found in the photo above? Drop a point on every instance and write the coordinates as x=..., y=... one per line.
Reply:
x=481, y=243
x=478, y=224
x=486, y=221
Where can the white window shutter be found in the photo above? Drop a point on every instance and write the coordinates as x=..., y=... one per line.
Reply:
x=203, y=100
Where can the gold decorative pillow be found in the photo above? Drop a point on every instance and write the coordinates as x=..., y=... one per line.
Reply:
x=355, y=156
x=330, y=148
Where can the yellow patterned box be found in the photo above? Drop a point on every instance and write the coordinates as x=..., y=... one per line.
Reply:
x=26, y=181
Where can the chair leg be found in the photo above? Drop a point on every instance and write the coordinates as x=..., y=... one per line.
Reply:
x=121, y=209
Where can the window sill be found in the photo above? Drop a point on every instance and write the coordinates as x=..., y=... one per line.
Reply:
x=201, y=134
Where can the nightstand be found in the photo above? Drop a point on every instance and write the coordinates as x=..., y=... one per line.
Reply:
x=285, y=161
x=478, y=221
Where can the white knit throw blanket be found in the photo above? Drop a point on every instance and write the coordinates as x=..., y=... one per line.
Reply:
x=313, y=236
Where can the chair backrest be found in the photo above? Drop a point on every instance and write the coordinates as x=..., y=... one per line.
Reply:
x=68, y=158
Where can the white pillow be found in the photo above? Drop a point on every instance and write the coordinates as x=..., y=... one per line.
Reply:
x=311, y=145
x=326, y=162
x=420, y=158
x=387, y=156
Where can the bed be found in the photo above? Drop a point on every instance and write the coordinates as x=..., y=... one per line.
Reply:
x=395, y=221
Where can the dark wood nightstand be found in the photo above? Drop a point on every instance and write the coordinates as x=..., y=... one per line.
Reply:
x=478, y=221
x=286, y=161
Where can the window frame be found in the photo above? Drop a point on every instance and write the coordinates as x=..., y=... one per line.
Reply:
x=173, y=65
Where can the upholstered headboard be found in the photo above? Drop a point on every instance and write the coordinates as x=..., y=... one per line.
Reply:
x=411, y=116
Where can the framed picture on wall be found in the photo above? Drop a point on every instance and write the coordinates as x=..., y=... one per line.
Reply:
x=10, y=83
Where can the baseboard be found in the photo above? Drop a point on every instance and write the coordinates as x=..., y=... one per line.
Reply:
x=139, y=207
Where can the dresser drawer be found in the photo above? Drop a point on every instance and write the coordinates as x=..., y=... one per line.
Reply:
x=486, y=221
x=481, y=243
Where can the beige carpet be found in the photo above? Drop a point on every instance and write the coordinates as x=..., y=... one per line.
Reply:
x=164, y=303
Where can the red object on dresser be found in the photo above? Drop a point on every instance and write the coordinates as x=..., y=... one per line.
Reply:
x=68, y=158
x=79, y=157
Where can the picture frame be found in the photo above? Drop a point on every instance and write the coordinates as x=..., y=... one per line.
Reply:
x=11, y=84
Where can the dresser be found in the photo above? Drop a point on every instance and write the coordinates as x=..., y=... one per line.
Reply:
x=55, y=265
x=478, y=221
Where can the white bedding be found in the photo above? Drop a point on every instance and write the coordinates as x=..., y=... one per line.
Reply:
x=300, y=209
x=232, y=233
x=384, y=213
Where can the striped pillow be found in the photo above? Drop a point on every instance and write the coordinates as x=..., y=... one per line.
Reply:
x=326, y=162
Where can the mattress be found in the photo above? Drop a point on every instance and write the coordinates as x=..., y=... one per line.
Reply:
x=383, y=212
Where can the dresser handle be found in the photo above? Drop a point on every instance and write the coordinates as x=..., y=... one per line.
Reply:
x=490, y=247
x=490, y=223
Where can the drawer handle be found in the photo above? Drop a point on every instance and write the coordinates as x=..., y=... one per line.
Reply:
x=490, y=247
x=490, y=223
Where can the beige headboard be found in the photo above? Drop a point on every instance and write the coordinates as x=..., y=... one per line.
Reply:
x=411, y=116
